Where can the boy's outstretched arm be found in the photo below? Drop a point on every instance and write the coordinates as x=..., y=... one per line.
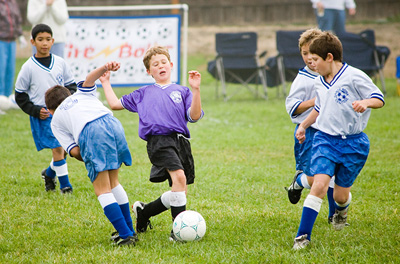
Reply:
x=98, y=72
x=111, y=97
x=194, y=81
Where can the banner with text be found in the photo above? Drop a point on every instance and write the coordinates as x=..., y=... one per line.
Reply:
x=93, y=41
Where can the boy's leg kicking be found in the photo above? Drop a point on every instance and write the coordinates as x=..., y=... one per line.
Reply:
x=174, y=200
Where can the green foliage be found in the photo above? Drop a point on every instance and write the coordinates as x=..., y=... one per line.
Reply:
x=243, y=152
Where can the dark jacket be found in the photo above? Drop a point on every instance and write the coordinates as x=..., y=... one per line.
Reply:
x=10, y=20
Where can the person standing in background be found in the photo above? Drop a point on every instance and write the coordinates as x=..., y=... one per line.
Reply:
x=53, y=13
x=331, y=14
x=10, y=30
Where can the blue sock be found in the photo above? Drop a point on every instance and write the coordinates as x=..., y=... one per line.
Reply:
x=125, y=209
x=115, y=216
x=298, y=179
x=331, y=202
x=311, y=208
x=50, y=172
x=61, y=170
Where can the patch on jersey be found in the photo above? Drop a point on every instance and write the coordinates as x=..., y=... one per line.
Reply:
x=60, y=79
x=69, y=104
x=176, y=97
x=341, y=96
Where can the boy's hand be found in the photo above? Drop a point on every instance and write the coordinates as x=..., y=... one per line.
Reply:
x=194, y=79
x=359, y=106
x=112, y=66
x=105, y=77
x=301, y=134
x=44, y=113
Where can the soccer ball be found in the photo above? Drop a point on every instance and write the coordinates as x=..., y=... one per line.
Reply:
x=122, y=31
x=101, y=32
x=164, y=31
x=5, y=103
x=189, y=226
x=143, y=32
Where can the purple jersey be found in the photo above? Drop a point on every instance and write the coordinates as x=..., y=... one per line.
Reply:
x=162, y=110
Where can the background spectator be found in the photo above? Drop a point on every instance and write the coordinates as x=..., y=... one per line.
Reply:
x=331, y=14
x=10, y=30
x=53, y=13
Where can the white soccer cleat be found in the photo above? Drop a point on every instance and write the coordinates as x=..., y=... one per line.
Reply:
x=301, y=242
x=339, y=221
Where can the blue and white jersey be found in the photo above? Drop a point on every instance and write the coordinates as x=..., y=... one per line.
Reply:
x=72, y=115
x=334, y=101
x=302, y=89
x=35, y=79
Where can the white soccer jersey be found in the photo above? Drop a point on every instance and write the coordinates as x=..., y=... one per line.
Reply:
x=74, y=113
x=35, y=79
x=302, y=89
x=334, y=101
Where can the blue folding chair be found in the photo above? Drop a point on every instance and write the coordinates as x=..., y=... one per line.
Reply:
x=285, y=66
x=360, y=51
x=237, y=62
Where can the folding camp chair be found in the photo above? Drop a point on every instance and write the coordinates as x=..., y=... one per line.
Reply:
x=360, y=51
x=237, y=62
x=285, y=66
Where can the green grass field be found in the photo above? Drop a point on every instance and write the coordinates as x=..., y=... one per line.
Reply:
x=243, y=152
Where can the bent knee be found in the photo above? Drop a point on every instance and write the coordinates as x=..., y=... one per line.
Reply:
x=178, y=176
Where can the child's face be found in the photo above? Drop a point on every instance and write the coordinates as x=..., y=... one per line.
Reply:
x=160, y=69
x=43, y=43
x=306, y=55
x=320, y=65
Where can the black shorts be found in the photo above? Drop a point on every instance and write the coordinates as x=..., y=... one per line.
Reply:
x=172, y=152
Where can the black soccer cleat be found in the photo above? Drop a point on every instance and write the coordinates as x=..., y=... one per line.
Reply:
x=293, y=194
x=66, y=190
x=173, y=238
x=49, y=183
x=115, y=238
x=129, y=241
x=141, y=222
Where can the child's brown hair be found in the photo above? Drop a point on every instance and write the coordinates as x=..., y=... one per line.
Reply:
x=307, y=36
x=326, y=43
x=154, y=51
x=55, y=96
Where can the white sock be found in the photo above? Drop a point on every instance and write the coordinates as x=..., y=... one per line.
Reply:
x=177, y=199
x=120, y=194
x=165, y=199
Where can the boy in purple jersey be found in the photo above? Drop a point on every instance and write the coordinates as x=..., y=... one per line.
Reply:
x=345, y=96
x=89, y=132
x=164, y=110
x=299, y=104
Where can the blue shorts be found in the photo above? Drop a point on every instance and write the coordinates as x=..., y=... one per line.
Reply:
x=103, y=146
x=302, y=152
x=42, y=134
x=342, y=157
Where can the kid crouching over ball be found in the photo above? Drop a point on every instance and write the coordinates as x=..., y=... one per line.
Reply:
x=89, y=132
